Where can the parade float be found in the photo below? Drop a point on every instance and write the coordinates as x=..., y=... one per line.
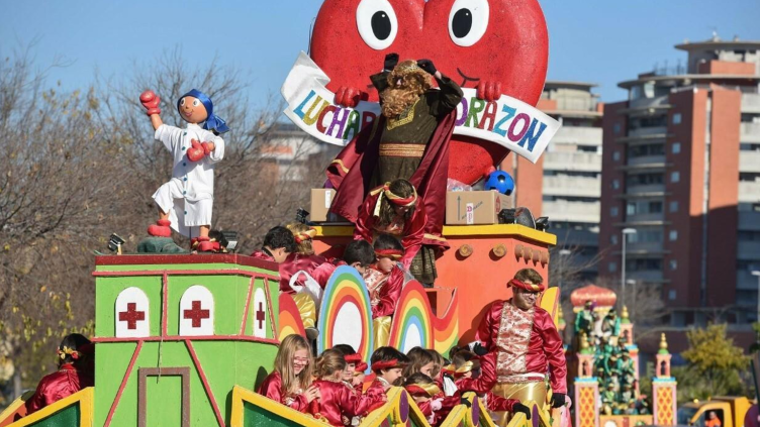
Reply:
x=183, y=340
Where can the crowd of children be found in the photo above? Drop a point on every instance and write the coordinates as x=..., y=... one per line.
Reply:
x=332, y=387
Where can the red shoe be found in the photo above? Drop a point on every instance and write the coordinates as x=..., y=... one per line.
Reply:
x=203, y=244
x=160, y=228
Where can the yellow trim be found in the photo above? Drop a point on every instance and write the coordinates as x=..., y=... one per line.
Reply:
x=402, y=150
x=340, y=163
x=517, y=230
x=83, y=397
x=11, y=409
x=394, y=123
x=241, y=395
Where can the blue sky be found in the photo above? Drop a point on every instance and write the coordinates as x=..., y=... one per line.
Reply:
x=599, y=41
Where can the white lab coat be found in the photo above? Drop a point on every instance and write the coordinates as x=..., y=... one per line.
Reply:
x=188, y=197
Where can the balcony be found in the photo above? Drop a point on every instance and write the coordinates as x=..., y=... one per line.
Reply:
x=643, y=248
x=749, y=132
x=750, y=103
x=749, y=191
x=749, y=221
x=746, y=281
x=572, y=186
x=573, y=161
x=578, y=135
x=647, y=160
x=645, y=218
x=568, y=237
x=647, y=131
x=749, y=250
x=563, y=210
x=645, y=275
x=646, y=189
x=749, y=161
x=660, y=101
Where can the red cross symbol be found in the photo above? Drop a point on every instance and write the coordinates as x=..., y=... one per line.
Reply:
x=261, y=315
x=131, y=316
x=197, y=314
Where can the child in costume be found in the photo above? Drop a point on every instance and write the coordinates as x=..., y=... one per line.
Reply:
x=290, y=381
x=384, y=280
x=388, y=365
x=425, y=393
x=352, y=358
x=75, y=372
x=395, y=208
x=420, y=360
x=336, y=402
x=278, y=244
x=185, y=202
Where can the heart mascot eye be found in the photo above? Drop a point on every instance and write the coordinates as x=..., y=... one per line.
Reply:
x=377, y=23
x=468, y=21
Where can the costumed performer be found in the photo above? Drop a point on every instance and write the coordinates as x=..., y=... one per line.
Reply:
x=290, y=381
x=394, y=209
x=388, y=364
x=185, y=202
x=75, y=372
x=527, y=346
x=424, y=392
x=384, y=280
x=409, y=141
x=278, y=244
x=336, y=402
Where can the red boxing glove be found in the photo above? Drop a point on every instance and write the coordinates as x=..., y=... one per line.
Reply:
x=195, y=152
x=206, y=148
x=150, y=101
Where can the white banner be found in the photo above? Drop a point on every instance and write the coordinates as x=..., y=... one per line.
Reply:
x=509, y=122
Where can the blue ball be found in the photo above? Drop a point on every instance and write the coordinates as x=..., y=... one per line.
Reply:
x=501, y=182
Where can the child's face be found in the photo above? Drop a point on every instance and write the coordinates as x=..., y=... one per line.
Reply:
x=428, y=369
x=385, y=264
x=192, y=110
x=392, y=375
x=300, y=360
x=401, y=210
x=360, y=268
x=348, y=373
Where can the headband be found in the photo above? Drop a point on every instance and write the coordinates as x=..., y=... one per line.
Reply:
x=528, y=287
x=213, y=122
x=353, y=358
x=360, y=368
x=386, y=364
x=423, y=389
x=385, y=191
x=393, y=254
x=302, y=236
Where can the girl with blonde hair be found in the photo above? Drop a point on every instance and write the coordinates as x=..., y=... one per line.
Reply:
x=336, y=402
x=290, y=381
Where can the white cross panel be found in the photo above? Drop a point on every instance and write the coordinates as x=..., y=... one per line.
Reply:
x=259, y=314
x=196, y=312
x=132, y=314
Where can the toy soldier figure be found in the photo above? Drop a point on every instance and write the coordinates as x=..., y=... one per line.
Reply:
x=527, y=346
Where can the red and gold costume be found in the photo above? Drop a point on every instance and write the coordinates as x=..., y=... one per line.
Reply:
x=527, y=347
x=294, y=263
x=272, y=388
x=384, y=290
x=336, y=401
x=58, y=385
x=373, y=398
x=483, y=384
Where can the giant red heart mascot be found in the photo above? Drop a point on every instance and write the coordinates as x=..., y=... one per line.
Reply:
x=495, y=46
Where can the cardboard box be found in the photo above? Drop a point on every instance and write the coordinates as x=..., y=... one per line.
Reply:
x=475, y=207
x=321, y=200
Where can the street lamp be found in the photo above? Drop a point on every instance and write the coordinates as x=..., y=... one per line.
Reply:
x=562, y=253
x=625, y=232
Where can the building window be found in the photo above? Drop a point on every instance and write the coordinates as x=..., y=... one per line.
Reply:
x=616, y=128
x=614, y=239
x=673, y=264
x=676, y=147
x=673, y=235
x=616, y=156
x=677, y=118
x=675, y=176
x=612, y=267
x=674, y=206
x=630, y=208
x=614, y=211
x=672, y=295
x=616, y=184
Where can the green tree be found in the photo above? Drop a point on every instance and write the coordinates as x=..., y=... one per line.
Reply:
x=715, y=364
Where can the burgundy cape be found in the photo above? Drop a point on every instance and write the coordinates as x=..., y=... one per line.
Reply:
x=351, y=171
x=58, y=385
x=272, y=388
x=545, y=350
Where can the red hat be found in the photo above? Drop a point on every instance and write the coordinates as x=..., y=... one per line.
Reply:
x=527, y=286
x=387, y=364
x=428, y=390
x=353, y=358
x=361, y=367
